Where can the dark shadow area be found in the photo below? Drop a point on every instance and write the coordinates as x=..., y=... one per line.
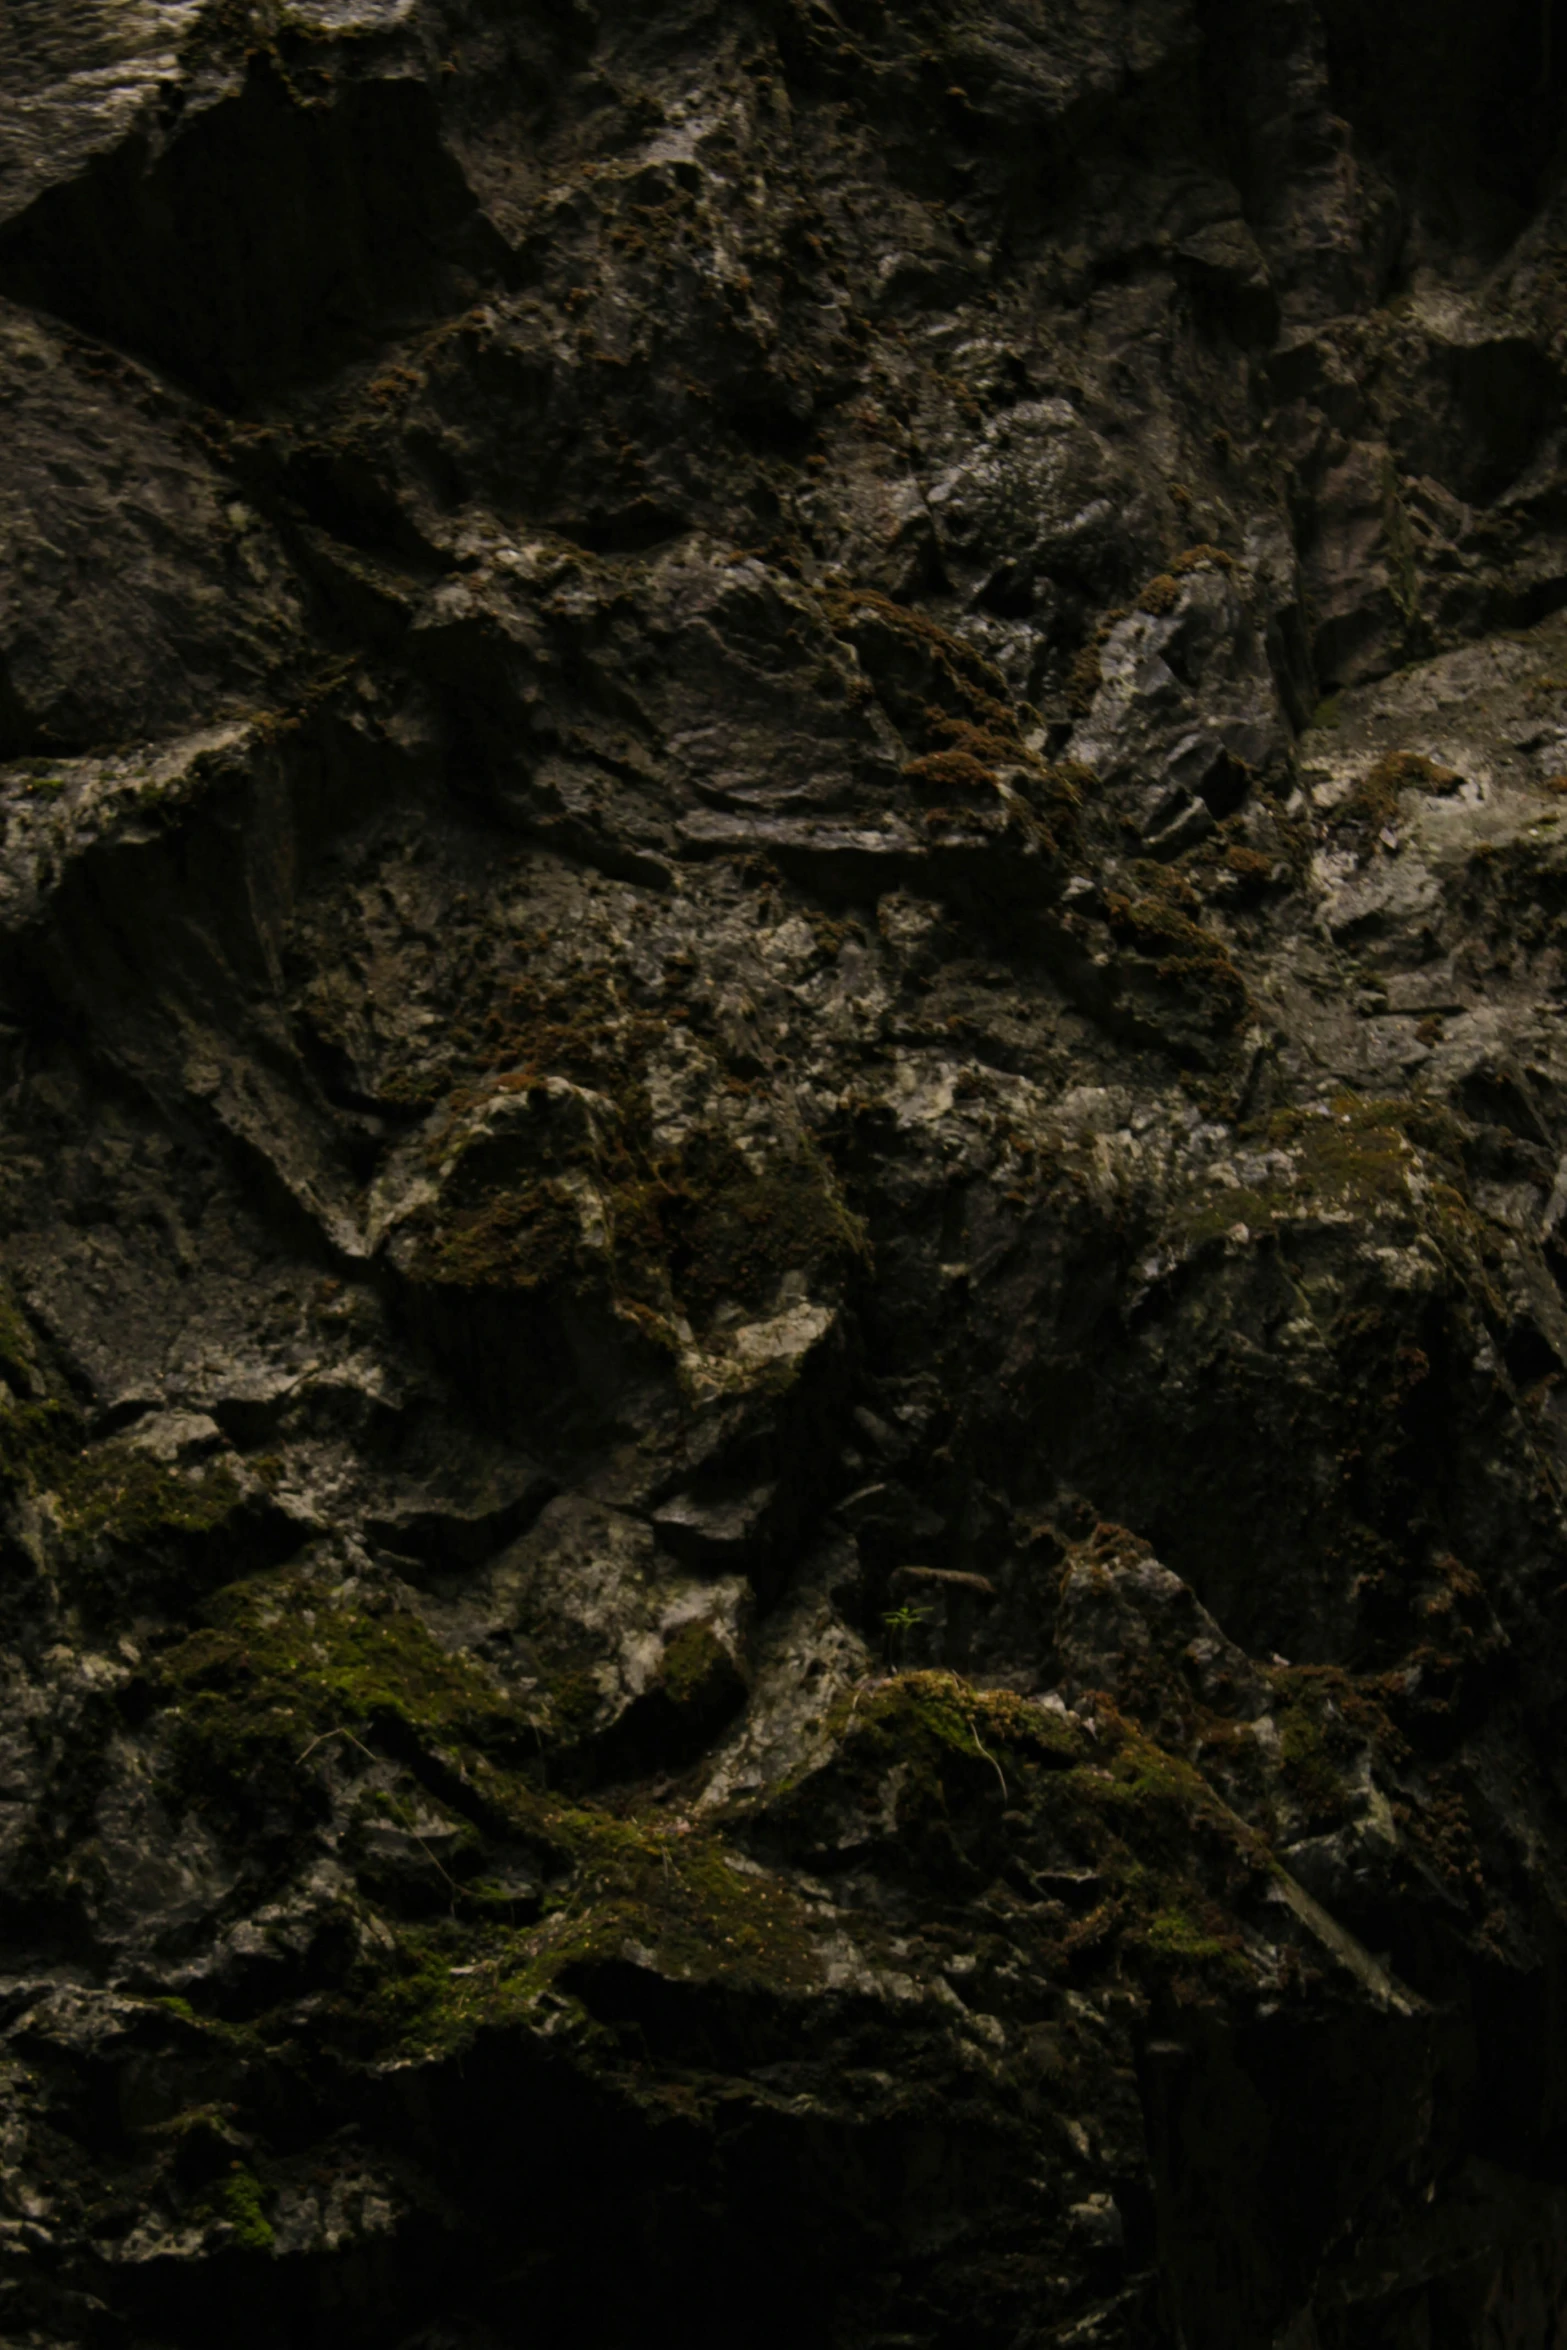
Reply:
x=1462, y=104
x=260, y=245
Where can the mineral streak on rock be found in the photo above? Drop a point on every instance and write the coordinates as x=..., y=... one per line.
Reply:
x=783, y=1174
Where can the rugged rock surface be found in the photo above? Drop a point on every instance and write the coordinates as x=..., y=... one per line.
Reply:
x=783, y=1202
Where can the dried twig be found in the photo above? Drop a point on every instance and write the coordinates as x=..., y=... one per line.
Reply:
x=989, y=1757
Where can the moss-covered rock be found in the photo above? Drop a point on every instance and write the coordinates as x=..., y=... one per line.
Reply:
x=781, y=1332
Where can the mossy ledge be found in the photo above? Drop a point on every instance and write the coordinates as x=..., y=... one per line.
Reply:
x=293, y=1698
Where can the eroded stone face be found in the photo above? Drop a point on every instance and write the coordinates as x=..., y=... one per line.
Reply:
x=782, y=1175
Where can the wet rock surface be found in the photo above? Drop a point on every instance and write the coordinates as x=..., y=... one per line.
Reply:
x=783, y=1206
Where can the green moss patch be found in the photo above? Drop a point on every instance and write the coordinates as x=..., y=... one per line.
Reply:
x=1176, y=1939
x=282, y=1664
x=129, y=1530
x=958, y=1785
x=113, y=1490
x=19, y=1366
x=1315, y=1754
x=39, y=1445
x=1375, y=1159
x=639, y=1894
x=132, y=1498
x=695, y=1663
x=241, y=2200
x=287, y=1674
x=940, y=1711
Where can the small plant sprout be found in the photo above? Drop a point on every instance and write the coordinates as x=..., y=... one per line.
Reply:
x=899, y=1622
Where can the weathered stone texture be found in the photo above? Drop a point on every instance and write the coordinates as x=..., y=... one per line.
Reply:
x=783, y=1216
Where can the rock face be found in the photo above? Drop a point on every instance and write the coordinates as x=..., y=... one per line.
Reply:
x=783, y=1364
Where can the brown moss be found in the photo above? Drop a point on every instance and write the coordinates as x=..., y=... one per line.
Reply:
x=682, y=1232
x=1249, y=866
x=952, y=771
x=1375, y=798
x=1057, y=794
x=579, y=1025
x=732, y=1231
x=934, y=687
x=987, y=745
x=1204, y=557
x=514, y=1239
x=1086, y=674
x=1166, y=882
x=1186, y=958
x=1441, y=1829
x=1083, y=680
x=1163, y=593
